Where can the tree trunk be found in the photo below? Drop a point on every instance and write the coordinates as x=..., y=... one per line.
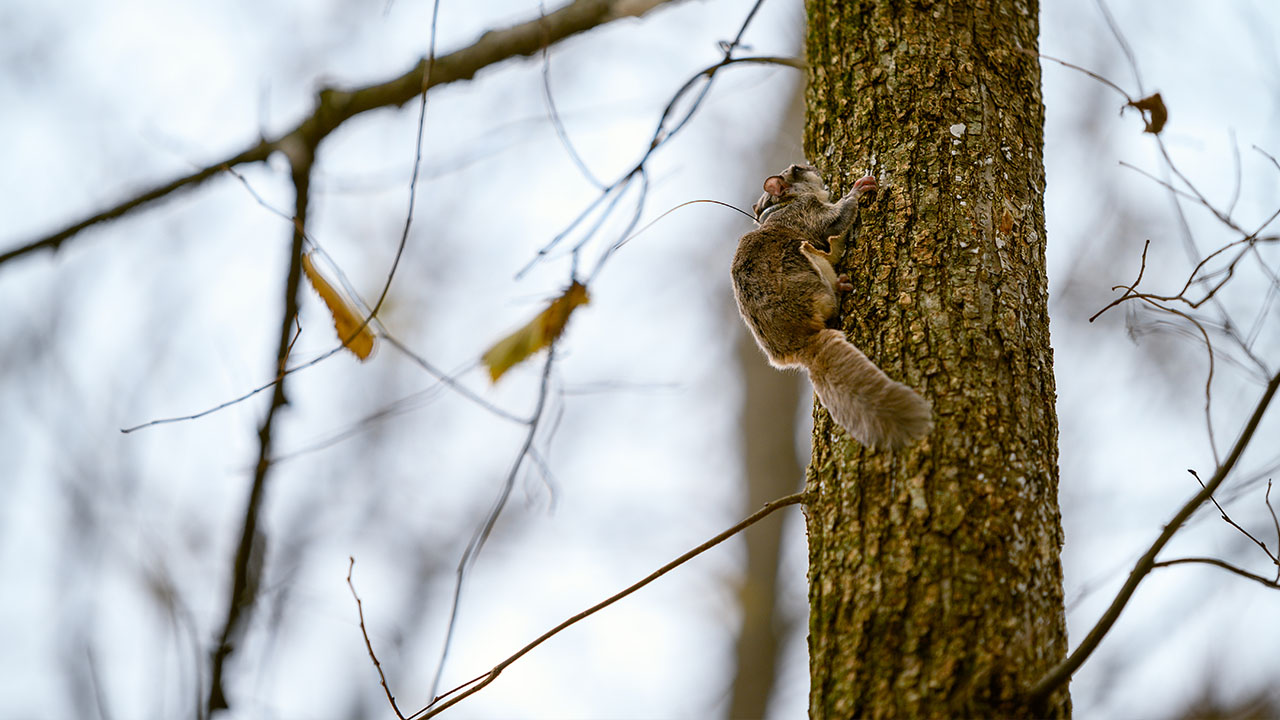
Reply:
x=935, y=583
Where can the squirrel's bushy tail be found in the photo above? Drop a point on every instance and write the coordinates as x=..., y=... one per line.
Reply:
x=876, y=411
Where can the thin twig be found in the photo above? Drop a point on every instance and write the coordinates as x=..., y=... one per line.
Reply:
x=661, y=135
x=1273, y=292
x=95, y=684
x=1234, y=524
x=368, y=644
x=491, y=518
x=480, y=682
x=1128, y=98
x=1193, y=194
x=1268, y=156
x=1274, y=522
x=1219, y=563
x=1238, y=169
x=413, y=179
x=400, y=406
x=1200, y=198
x=1123, y=43
x=636, y=213
x=1247, y=243
x=235, y=400
x=554, y=114
x=544, y=468
x=450, y=380
x=1130, y=290
x=1208, y=380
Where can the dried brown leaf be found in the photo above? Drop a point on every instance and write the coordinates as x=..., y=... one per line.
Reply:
x=1159, y=114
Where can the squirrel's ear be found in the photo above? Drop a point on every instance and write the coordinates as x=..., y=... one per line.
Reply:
x=775, y=186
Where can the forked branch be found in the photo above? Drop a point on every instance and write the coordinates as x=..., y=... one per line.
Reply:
x=1063, y=671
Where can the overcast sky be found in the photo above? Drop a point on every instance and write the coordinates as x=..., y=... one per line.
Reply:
x=115, y=549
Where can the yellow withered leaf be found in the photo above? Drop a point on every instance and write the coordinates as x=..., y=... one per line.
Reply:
x=346, y=319
x=536, y=334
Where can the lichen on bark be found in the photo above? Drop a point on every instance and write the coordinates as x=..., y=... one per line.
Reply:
x=935, y=581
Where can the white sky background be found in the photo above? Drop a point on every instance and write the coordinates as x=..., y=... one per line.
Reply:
x=176, y=309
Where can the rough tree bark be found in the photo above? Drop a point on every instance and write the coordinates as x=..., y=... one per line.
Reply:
x=935, y=583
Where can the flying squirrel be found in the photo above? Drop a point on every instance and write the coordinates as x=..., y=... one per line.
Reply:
x=787, y=289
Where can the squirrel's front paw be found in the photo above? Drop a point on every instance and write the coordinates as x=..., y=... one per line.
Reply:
x=843, y=283
x=864, y=186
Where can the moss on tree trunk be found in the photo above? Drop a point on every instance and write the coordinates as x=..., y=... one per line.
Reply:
x=935, y=582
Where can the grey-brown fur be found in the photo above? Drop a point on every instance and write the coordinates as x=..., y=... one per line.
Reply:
x=786, y=287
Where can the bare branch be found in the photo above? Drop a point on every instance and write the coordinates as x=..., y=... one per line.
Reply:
x=335, y=106
x=1213, y=281
x=480, y=682
x=53, y=241
x=243, y=592
x=1063, y=670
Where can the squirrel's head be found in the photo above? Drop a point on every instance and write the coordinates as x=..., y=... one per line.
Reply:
x=787, y=185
